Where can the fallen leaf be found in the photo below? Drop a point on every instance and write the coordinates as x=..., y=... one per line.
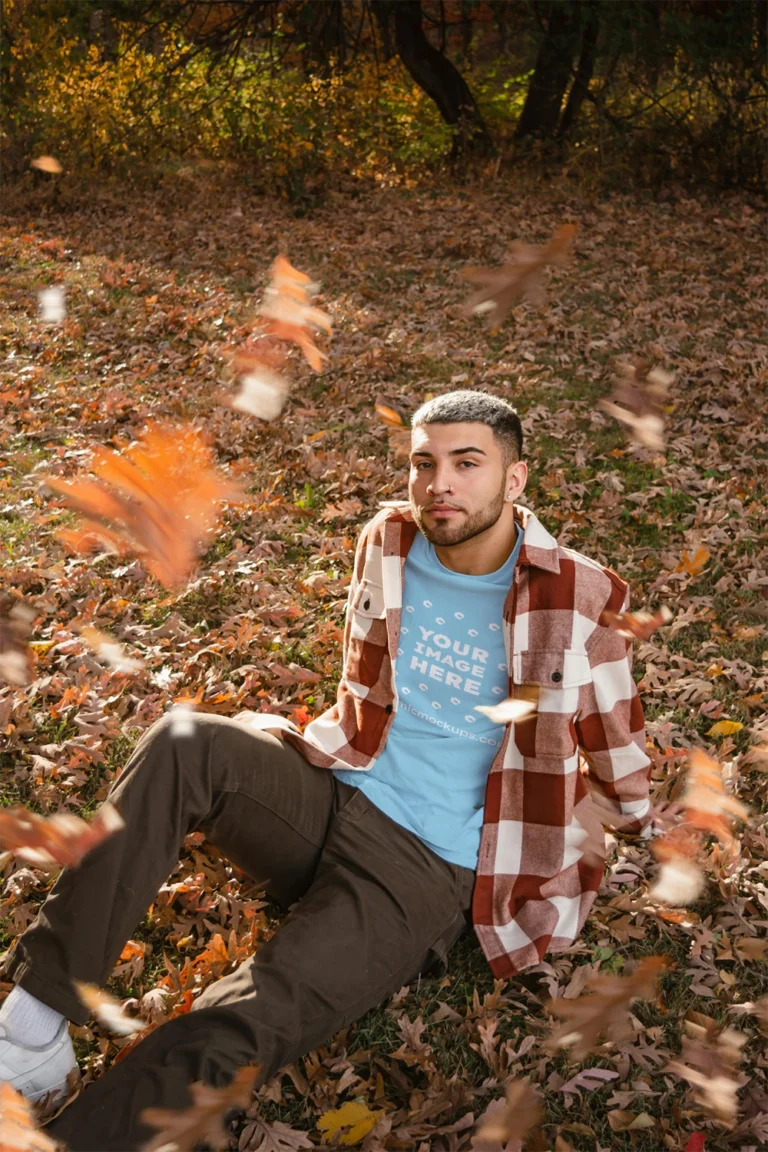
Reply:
x=349, y=1124
x=725, y=728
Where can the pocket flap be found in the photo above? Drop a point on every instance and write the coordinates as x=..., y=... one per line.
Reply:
x=369, y=601
x=551, y=667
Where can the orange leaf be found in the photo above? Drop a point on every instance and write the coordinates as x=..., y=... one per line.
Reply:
x=47, y=164
x=695, y=564
x=164, y=502
x=55, y=841
x=18, y=1130
x=636, y=625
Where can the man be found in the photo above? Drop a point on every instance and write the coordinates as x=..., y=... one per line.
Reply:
x=401, y=815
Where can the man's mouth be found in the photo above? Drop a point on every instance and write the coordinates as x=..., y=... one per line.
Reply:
x=443, y=511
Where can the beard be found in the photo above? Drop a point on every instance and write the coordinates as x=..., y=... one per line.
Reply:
x=446, y=533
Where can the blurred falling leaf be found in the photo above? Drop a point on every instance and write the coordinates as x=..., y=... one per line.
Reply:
x=159, y=499
x=636, y=625
x=708, y=807
x=182, y=720
x=55, y=841
x=107, y=1010
x=637, y=402
x=47, y=164
x=679, y=882
x=203, y=1121
x=16, y=620
x=510, y=1119
x=263, y=393
x=52, y=307
x=511, y=711
x=521, y=278
x=289, y=312
x=108, y=650
x=606, y=1011
x=398, y=430
x=18, y=1131
x=708, y=1062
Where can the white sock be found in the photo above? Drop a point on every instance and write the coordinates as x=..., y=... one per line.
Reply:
x=30, y=1023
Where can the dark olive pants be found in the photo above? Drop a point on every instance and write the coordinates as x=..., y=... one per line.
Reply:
x=375, y=908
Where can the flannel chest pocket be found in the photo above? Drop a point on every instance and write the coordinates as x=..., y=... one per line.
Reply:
x=367, y=635
x=554, y=677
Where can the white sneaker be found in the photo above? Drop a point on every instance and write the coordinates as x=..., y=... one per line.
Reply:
x=34, y=1072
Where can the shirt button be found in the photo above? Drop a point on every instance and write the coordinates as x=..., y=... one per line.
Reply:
x=557, y=677
x=367, y=605
x=388, y=708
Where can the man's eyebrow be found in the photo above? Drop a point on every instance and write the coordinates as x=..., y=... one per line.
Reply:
x=453, y=452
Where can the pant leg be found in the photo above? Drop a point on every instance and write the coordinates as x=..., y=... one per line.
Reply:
x=254, y=797
x=381, y=908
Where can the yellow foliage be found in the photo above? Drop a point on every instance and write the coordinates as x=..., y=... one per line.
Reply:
x=353, y=1121
x=725, y=728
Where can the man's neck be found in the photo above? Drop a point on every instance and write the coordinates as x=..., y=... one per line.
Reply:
x=482, y=554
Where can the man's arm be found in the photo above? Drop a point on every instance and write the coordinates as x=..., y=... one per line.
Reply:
x=611, y=732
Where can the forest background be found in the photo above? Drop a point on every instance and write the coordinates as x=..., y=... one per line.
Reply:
x=382, y=146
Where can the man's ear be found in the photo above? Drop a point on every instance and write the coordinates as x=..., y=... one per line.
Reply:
x=517, y=477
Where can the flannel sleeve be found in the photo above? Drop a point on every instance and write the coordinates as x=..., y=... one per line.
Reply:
x=611, y=732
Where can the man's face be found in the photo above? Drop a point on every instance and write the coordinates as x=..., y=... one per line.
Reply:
x=457, y=481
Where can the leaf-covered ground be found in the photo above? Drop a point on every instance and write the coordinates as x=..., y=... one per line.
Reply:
x=157, y=286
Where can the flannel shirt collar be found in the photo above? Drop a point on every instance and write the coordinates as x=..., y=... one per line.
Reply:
x=539, y=548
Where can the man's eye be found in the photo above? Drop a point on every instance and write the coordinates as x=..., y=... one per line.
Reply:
x=471, y=463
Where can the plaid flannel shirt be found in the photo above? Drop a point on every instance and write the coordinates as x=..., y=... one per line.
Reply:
x=534, y=887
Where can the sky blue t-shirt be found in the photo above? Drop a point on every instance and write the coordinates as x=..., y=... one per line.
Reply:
x=431, y=774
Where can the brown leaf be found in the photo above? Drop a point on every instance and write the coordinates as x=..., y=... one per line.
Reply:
x=508, y=1120
x=55, y=841
x=708, y=1061
x=16, y=658
x=637, y=402
x=519, y=279
x=159, y=499
x=204, y=1119
x=606, y=1011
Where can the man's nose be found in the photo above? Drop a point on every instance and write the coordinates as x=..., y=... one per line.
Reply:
x=439, y=482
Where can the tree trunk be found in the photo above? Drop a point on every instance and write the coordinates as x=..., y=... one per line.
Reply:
x=323, y=26
x=383, y=15
x=580, y=88
x=436, y=75
x=541, y=112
